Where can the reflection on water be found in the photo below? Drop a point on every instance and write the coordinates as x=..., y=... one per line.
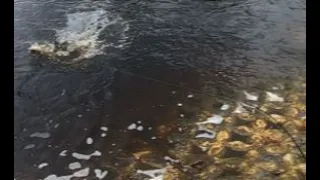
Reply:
x=218, y=47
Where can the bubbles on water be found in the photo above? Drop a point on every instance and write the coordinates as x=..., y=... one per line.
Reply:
x=89, y=140
x=100, y=174
x=171, y=160
x=215, y=119
x=103, y=128
x=84, y=156
x=78, y=174
x=225, y=107
x=140, y=128
x=74, y=165
x=239, y=108
x=63, y=153
x=206, y=135
x=272, y=97
x=42, y=165
x=40, y=135
x=190, y=96
x=132, y=126
x=56, y=126
x=29, y=146
x=250, y=96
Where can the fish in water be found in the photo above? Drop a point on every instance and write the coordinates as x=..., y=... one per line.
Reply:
x=61, y=51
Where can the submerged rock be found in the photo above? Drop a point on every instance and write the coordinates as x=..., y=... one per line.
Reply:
x=172, y=173
x=291, y=112
x=246, y=117
x=278, y=118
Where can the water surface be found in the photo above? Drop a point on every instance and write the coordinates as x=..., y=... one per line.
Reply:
x=221, y=47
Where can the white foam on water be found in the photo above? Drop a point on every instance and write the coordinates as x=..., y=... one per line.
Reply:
x=81, y=173
x=140, y=128
x=78, y=174
x=201, y=127
x=89, y=140
x=100, y=174
x=239, y=109
x=63, y=153
x=84, y=156
x=275, y=88
x=79, y=116
x=55, y=177
x=43, y=135
x=83, y=29
x=153, y=137
x=272, y=97
x=167, y=158
x=82, y=32
x=103, y=134
x=179, y=104
x=149, y=128
x=29, y=146
x=182, y=115
x=206, y=135
x=56, y=126
x=160, y=177
x=215, y=119
x=139, y=122
x=190, y=96
x=42, y=165
x=63, y=92
x=251, y=96
x=103, y=128
x=152, y=173
x=225, y=107
x=74, y=165
x=132, y=126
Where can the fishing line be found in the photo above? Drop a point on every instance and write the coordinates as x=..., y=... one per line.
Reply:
x=273, y=120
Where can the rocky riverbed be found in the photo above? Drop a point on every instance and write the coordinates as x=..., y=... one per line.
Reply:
x=262, y=137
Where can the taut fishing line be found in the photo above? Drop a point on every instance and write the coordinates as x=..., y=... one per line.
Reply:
x=272, y=120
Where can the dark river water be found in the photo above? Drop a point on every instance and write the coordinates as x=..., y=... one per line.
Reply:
x=217, y=46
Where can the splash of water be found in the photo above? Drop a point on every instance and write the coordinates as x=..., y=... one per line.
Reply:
x=81, y=37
